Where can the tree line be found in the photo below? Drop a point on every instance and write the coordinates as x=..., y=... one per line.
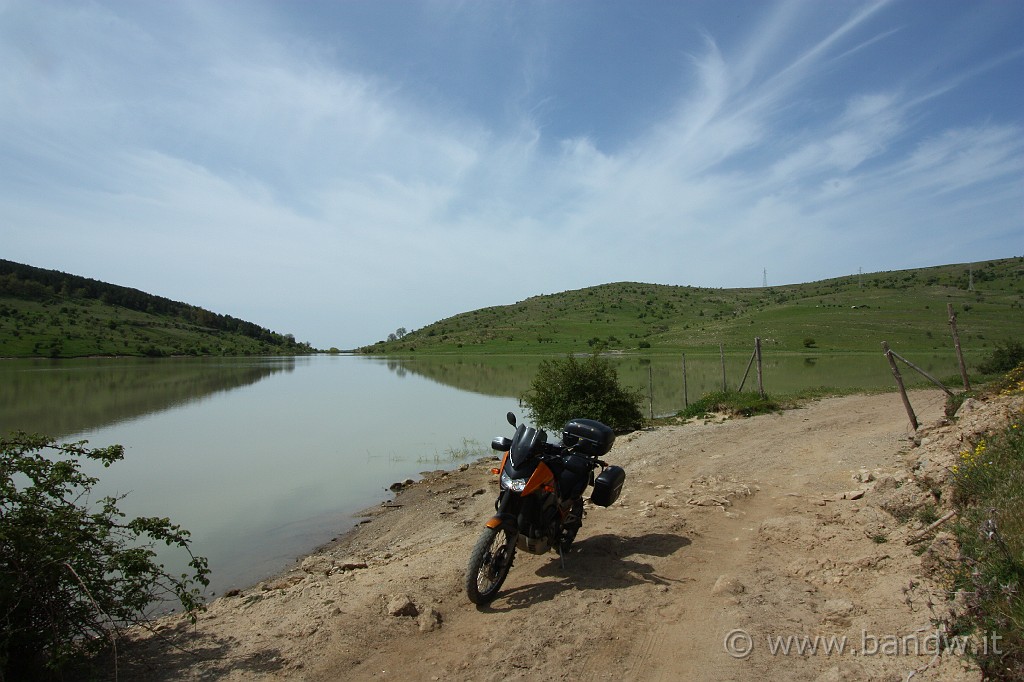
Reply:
x=36, y=284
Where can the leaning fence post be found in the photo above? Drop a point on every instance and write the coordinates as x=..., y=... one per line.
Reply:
x=956, y=344
x=747, y=371
x=899, y=383
x=760, y=372
x=923, y=373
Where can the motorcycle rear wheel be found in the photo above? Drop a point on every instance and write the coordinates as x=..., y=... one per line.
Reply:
x=489, y=564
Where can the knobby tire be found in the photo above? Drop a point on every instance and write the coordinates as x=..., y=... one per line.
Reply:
x=489, y=564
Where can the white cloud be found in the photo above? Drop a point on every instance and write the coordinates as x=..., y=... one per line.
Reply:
x=256, y=176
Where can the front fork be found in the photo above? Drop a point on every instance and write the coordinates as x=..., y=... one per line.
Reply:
x=503, y=516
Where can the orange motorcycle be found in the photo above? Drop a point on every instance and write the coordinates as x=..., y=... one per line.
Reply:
x=540, y=498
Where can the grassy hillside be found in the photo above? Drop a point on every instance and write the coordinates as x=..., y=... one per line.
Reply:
x=45, y=313
x=907, y=308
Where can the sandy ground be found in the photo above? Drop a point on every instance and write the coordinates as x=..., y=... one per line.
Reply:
x=732, y=539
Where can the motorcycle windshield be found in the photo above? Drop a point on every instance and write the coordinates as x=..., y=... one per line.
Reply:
x=525, y=444
x=524, y=470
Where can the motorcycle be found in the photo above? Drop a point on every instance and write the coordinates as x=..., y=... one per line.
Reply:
x=540, y=497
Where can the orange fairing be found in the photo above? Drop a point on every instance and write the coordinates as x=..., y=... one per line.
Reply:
x=541, y=478
x=497, y=472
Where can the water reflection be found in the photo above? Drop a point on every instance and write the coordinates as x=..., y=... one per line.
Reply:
x=661, y=379
x=63, y=397
x=263, y=459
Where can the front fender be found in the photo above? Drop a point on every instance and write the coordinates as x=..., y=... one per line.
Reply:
x=503, y=516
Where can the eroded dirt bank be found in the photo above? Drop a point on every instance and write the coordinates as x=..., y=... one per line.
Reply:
x=791, y=525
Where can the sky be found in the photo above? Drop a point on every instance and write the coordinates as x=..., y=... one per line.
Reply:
x=337, y=170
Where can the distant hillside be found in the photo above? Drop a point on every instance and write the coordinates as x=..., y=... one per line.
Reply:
x=46, y=313
x=907, y=308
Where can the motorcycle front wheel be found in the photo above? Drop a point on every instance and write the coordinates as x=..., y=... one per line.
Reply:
x=489, y=563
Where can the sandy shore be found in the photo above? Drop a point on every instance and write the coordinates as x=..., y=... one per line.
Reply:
x=730, y=533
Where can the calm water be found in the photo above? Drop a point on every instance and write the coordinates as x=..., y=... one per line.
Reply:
x=263, y=459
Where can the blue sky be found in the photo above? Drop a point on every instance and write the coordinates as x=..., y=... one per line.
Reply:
x=337, y=170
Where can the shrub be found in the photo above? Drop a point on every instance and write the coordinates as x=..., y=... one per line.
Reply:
x=571, y=389
x=1005, y=357
x=731, y=402
x=988, y=494
x=71, y=572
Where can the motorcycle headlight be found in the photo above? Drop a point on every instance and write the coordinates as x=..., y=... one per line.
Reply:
x=516, y=485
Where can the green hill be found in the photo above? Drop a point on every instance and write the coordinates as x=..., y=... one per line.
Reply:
x=46, y=313
x=907, y=308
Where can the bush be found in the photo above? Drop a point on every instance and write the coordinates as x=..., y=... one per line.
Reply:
x=730, y=402
x=1005, y=357
x=71, y=575
x=988, y=493
x=571, y=389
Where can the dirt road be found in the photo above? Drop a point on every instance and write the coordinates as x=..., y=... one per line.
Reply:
x=733, y=540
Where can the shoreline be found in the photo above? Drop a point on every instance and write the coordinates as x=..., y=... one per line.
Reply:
x=758, y=523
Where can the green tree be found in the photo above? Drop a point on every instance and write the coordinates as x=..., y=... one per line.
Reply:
x=73, y=573
x=571, y=389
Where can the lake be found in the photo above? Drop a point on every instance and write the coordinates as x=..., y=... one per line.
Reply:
x=263, y=459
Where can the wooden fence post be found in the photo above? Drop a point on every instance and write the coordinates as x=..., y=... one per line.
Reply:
x=899, y=383
x=760, y=372
x=920, y=371
x=721, y=354
x=747, y=371
x=650, y=387
x=686, y=398
x=956, y=344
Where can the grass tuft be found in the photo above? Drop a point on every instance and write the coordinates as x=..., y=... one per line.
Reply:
x=988, y=493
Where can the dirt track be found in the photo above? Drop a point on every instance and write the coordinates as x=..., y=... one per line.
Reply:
x=722, y=526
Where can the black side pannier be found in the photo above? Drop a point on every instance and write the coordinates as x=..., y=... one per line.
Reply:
x=588, y=437
x=608, y=485
x=575, y=475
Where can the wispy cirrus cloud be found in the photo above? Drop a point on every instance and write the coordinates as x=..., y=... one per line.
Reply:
x=206, y=154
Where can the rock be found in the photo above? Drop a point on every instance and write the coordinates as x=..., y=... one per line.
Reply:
x=968, y=406
x=430, y=620
x=941, y=553
x=318, y=564
x=838, y=611
x=709, y=501
x=282, y=584
x=886, y=482
x=727, y=584
x=402, y=605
